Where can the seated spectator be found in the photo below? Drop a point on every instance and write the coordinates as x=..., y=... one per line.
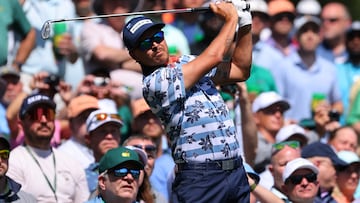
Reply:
x=119, y=176
x=347, y=177
x=300, y=181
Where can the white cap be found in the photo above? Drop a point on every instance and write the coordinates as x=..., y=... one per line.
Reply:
x=267, y=99
x=298, y=163
x=258, y=6
x=348, y=156
x=308, y=7
x=106, y=107
x=142, y=154
x=289, y=130
x=299, y=22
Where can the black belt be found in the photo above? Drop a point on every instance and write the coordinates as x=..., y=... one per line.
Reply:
x=225, y=165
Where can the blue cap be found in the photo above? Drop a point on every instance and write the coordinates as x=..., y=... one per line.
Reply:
x=322, y=150
x=35, y=100
x=135, y=28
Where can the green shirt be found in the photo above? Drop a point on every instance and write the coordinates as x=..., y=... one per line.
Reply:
x=260, y=80
x=12, y=17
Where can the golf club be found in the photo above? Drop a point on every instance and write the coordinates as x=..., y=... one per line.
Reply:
x=46, y=28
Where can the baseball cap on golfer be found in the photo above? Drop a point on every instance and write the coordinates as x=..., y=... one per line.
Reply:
x=135, y=28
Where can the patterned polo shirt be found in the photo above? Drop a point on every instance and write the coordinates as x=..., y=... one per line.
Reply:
x=197, y=120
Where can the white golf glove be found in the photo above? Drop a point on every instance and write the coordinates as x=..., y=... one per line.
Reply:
x=243, y=10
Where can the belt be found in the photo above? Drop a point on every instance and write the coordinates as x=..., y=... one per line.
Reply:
x=225, y=165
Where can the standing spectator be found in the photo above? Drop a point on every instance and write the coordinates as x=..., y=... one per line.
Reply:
x=14, y=25
x=336, y=20
x=347, y=177
x=12, y=88
x=326, y=160
x=300, y=178
x=10, y=190
x=48, y=55
x=260, y=17
x=268, y=109
x=349, y=72
x=183, y=95
x=43, y=171
x=279, y=44
x=103, y=133
x=78, y=110
x=304, y=73
x=119, y=176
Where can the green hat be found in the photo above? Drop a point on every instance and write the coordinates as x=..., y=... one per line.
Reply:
x=117, y=156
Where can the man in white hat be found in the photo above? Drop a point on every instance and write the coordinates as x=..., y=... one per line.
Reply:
x=300, y=178
x=268, y=109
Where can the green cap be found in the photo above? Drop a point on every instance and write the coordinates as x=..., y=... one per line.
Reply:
x=117, y=156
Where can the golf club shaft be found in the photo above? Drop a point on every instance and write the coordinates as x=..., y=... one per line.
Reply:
x=182, y=10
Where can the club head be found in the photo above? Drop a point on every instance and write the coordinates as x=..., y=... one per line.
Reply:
x=46, y=30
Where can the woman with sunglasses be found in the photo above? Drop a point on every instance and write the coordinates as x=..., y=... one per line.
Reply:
x=183, y=94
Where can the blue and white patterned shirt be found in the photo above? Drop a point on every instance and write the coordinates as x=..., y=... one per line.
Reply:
x=197, y=120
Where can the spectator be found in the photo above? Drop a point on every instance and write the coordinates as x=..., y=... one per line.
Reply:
x=348, y=72
x=15, y=26
x=190, y=107
x=103, y=133
x=302, y=69
x=279, y=44
x=12, y=88
x=78, y=110
x=344, y=138
x=260, y=26
x=282, y=153
x=268, y=109
x=347, y=177
x=326, y=160
x=48, y=55
x=148, y=146
x=10, y=189
x=336, y=20
x=147, y=124
x=119, y=176
x=42, y=170
x=300, y=181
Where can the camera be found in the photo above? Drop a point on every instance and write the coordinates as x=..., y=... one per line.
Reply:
x=52, y=81
x=334, y=115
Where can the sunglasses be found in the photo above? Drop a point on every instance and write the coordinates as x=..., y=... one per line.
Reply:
x=105, y=116
x=149, y=149
x=331, y=20
x=272, y=110
x=280, y=16
x=4, y=154
x=296, y=179
x=122, y=172
x=101, y=81
x=37, y=113
x=147, y=43
x=281, y=145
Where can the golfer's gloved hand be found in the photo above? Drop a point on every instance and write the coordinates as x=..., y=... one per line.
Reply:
x=243, y=10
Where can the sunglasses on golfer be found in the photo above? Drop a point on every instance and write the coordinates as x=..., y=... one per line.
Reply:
x=122, y=172
x=147, y=43
x=296, y=179
x=37, y=113
x=281, y=145
x=4, y=154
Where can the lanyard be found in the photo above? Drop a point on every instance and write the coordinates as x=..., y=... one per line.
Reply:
x=53, y=188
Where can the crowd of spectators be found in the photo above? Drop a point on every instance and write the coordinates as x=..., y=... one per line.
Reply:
x=67, y=100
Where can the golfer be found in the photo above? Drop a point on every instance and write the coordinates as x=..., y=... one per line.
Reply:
x=183, y=95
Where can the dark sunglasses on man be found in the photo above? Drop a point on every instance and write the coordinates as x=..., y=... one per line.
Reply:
x=297, y=179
